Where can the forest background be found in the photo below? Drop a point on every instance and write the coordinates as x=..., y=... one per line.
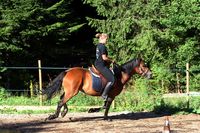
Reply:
x=61, y=33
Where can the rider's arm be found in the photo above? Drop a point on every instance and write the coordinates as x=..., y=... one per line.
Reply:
x=106, y=58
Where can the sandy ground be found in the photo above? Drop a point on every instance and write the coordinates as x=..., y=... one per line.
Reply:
x=123, y=122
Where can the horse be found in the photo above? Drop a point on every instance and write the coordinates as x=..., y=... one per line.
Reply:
x=78, y=79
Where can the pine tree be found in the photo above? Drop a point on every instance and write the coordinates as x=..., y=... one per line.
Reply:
x=165, y=33
x=42, y=27
x=35, y=29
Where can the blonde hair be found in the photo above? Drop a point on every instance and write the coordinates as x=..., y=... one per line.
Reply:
x=98, y=35
x=102, y=37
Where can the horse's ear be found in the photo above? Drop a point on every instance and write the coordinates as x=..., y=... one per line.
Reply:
x=147, y=64
x=140, y=57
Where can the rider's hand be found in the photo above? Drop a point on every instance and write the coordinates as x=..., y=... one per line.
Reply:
x=113, y=61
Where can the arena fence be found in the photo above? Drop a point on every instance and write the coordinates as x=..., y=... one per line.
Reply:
x=40, y=68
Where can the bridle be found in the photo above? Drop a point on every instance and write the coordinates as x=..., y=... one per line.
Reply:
x=144, y=72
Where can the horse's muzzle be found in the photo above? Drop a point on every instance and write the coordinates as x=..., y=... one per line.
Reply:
x=149, y=75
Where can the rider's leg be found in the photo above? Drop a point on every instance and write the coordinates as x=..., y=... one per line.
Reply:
x=107, y=90
x=110, y=77
x=107, y=73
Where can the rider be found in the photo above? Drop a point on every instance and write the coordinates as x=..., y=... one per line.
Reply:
x=101, y=62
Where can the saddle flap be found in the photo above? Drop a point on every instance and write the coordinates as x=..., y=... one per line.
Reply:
x=93, y=72
x=98, y=80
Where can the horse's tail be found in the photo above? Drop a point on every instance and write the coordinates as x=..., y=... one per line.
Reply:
x=55, y=86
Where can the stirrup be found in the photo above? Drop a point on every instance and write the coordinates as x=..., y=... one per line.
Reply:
x=104, y=97
x=104, y=106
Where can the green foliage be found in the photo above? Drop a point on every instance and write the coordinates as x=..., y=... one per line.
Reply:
x=3, y=93
x=194, y=103
x=28, y=25
x=79, y=100
x=140, y=97
x=84, y=100
x=45, y=30
x=178, y=105
x=8, y=111
x=11, y=110
x=166, y=33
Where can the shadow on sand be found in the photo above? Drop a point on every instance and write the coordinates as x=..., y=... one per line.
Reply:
x=41, y=125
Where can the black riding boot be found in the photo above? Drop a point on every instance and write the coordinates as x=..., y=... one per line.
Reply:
x=106, y=90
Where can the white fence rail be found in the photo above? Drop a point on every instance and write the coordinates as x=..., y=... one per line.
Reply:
x=181, y=94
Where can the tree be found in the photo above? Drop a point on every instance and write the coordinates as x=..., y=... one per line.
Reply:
x=164, y=32
x=46, y=30
x=29, y=25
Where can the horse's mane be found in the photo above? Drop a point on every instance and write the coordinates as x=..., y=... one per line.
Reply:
x=128, y=66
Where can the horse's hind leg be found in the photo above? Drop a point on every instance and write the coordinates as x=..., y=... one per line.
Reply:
x=65, y=110
x=63, y=99
x=59, y=106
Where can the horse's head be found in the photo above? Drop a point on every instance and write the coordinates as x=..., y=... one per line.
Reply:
x=143, y=69
x=137, y=66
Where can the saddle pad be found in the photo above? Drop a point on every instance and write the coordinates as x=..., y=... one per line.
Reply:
x=96, y=82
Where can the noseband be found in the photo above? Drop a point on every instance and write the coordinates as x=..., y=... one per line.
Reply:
x=144, y=72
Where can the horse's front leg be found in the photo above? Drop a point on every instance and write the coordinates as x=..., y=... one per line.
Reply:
x=107, y=107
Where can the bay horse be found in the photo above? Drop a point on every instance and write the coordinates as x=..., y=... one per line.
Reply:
x=78, y=79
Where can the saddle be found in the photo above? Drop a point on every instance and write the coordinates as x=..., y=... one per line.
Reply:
x=98, y=80
x=95, y=71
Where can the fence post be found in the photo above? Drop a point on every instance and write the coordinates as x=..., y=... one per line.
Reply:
x=40, y=80
x=178, y=82
x=113, y=104
x=31, y=88
x=187, y=83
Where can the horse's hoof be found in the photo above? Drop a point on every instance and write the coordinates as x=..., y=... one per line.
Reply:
x=107, y=119
x=63, y=113
x=70, y=118
x=46, y=119
x=92, y=110
x=51, y=117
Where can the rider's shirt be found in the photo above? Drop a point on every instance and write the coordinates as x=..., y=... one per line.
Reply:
x=100, y=50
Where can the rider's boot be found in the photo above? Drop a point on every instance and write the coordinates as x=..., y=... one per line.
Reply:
x=106, y=90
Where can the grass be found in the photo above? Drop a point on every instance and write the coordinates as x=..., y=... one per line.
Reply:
x=179, y=105
x=79, y=100
x=76, y=104
x=128, y=101
x=13, y=110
